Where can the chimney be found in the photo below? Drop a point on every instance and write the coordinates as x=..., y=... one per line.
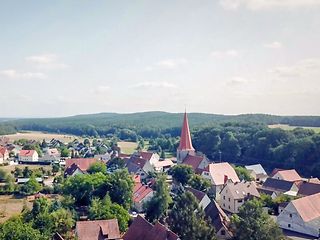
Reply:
x=225, y=179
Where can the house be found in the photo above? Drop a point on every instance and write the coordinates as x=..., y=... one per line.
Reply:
x=98, y=230
x=141, y=194
x=25, y=180
x=163, y=166
x=202, y=198
x=287, y=175
x=139, y=166
x=219, y=220
x=274, y=187
x=198, y=163
x=257, y=172
x=28, y=156
x=302, y=215
x=76, y=166
x=103, y=157
x=308, y=188
x=219, y=174
x=185, y=147
x=151, y=157
x=141, y=229
x=234, y=195
x=4, y=154
x=51, y=155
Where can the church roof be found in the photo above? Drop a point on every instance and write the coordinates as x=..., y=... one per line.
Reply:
x=185, y=138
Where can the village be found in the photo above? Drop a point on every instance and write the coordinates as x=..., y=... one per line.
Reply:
x=220, y=188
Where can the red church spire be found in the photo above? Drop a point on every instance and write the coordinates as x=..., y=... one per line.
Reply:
x=185, y=139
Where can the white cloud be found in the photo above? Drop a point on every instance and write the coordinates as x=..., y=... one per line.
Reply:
x=273, y=45
x=302, y=68
x=226, y=53
x=13, y=74
x=46, y=61
x=237, y=81
x=155, y=85
x=267, y=4
x=101, y=90
x=172, y=63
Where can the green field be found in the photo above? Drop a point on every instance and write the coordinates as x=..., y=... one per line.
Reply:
x=288, y=127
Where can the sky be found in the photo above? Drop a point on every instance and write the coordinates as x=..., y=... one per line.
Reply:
x=68, y=57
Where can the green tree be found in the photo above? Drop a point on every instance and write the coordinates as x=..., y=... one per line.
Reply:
x=105, y=209
x=26, y=172
x=157, y=207
x=65, y=152
x=253, y=223
x=98, y=167
x=10, y=186
x=55, y=168
x=199, y=183
x=3, y=174
x=243, y=173
x=44, y=144
x=163, y=155
x=16, y=229
x=187, y=219
x=17, y=172
x=31, y=187
x=116, y=163
x=182, y=173
x=230, y=146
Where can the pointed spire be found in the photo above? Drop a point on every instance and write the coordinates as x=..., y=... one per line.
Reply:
x=185, y=139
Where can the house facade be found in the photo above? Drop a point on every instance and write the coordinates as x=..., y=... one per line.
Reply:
x=257, y=172
x=28, y=156
x=234, y=195
x=302, y=216
x=4, y=154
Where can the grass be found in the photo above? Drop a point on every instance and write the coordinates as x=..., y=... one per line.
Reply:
x=127, y=147
x=288, y=127
x=11, y=206
x=39, y=136
x=11, y=168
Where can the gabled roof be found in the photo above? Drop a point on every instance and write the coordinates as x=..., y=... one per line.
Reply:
x=198, y=194
x=256, y=168
x=83, y=163
x=288, y=175
x=277, y=185
x=3, y=150
x=140, y=193
x=141, y=229
x=217, y=215
x=241, y=190
x=92, y=230
x=26, y=153
x=308, y=188
x=71, y=169
x=185, y=138
x=193, y=161
x=135, y=163
x=218, y=172
x=146, y=155
x=164, y=163
x=308, y=207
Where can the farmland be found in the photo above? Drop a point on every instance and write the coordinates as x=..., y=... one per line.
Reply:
x=288, y=127
x=39, y=136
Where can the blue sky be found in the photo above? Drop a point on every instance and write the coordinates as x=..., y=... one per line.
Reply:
x=60, y=58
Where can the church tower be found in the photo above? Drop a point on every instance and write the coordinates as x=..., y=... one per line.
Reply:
x=185, y=147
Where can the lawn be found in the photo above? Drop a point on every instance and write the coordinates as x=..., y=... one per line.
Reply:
x=127, y=147
x=10, y=206
x=11, y=168
x=39, y=136
x=288, y=127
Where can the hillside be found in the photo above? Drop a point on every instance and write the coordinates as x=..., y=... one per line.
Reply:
x=144, y=123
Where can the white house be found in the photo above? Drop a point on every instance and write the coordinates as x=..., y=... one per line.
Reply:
x=302, y=215
x=257, y=172
x=234, y=195
x=28, y=156
x=219, y=174
x=4, y=154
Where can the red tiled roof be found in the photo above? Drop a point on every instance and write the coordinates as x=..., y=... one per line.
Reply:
x=83, y=163
x=146, y=155
x=308, y=207
x=140, y=193
x=141, y=229
x=185, y=138
x=92, y=230
x=136, y=178
x=26, y=153
x=193, y=161
x=3, y=150
x=288, y=175
x=218, y=172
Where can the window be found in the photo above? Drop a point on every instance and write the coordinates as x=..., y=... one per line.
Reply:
x=224, y=205
x=289, y=225
x=224, y=197
x=290, y=215
x=229, y=206
x=229, y=199
x=223, y=232
x=240, y=201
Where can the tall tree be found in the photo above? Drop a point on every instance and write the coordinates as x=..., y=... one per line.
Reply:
x=157, y=207
x=253, y=223
x=187, y=219
x=182, y=173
